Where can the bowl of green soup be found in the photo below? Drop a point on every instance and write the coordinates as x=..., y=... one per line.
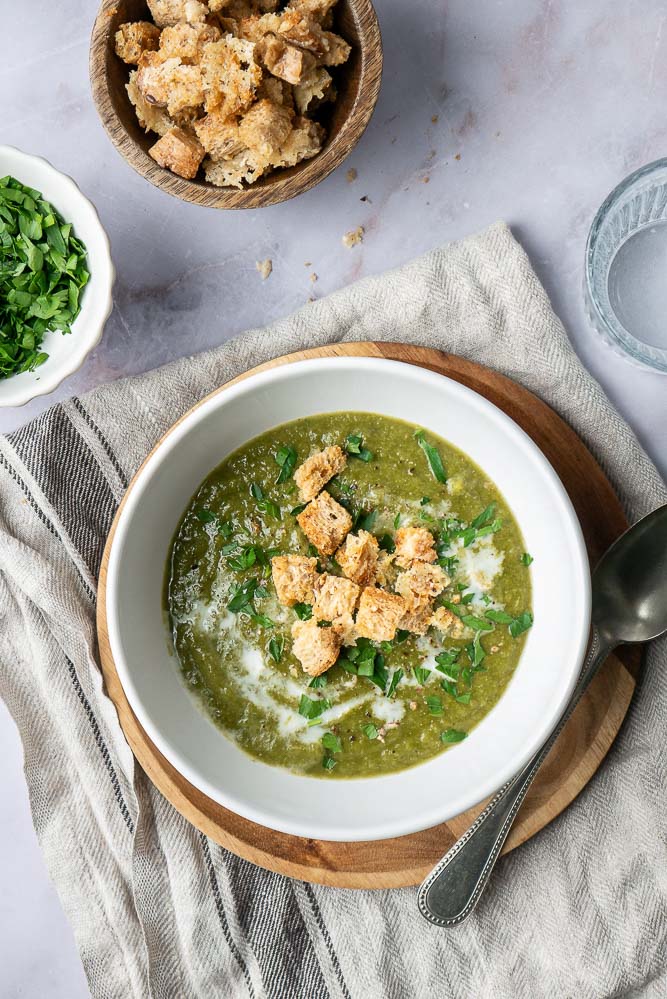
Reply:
x=347, y=598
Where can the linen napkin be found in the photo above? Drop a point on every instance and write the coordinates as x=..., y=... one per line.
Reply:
x=159, y=910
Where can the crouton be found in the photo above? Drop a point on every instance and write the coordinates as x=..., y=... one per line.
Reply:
x=294, y=577
x=448, y=623
x=255, y=28
x=278, y=91
x=219, y=135
x=346, y=629
x=414, y=544
x=317, y=88
x=358, y=558
x=240, y=9
x=417, y=620
x=316, y=648
x=313, y=474
x=187, y=41
x=325, y=523
x=421, y=584
x=304, y=141
x=136, y=37
x=304, y=32
x=167, y=82
x=230, y=75
x=166, y=12
x=151, y=117
x=283, y=60
x=335, y=597
x=195, y=12
x=385, y=571
x=233, y=172
x=379, y=614
x=337, y=50
x=313, y=8
x=264, y=129
x=179, y=152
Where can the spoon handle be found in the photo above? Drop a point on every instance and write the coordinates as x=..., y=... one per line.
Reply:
x=454, y=886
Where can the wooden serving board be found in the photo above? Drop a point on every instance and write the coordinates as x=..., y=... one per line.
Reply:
x=582, y=746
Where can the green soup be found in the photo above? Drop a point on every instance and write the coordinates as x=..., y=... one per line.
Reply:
x=382, y=707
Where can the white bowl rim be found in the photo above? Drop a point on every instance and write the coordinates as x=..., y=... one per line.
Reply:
x=430, y=816
x=50, y=379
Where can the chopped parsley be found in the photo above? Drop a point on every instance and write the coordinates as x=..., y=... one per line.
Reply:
x=520, y=624
x=354, y=446
x=243, y=596
x=453, y=735
x=432, y=456
x=476, y=623
x=311, y=709
x=386, y=543
x=263, y=504
x=434, y=704
x=421, y=674
x=332, y=742
x=328, y=762
x=396, y=678
x=277, y=647
x=262, y=620
x=364, y=520
x=370, y=731
x=285, y=458
x=303, y=611
x=319, y=681
x=42, y=273
x=526, y=559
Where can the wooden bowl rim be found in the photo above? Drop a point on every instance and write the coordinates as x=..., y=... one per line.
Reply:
x=287, y=183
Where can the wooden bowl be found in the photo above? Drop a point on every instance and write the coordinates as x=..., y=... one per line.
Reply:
x=357, y=82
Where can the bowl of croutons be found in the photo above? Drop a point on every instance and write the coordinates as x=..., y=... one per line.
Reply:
x=235, y=103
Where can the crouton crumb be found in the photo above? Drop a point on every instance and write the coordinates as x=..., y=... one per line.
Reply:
x=264, y=267
x=353, y=237
x=351, y=175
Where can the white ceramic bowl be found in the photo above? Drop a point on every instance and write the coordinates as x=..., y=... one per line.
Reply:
x=379, y=807
x=66, y=353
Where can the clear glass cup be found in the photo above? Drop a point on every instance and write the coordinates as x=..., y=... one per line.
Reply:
x=626, y=267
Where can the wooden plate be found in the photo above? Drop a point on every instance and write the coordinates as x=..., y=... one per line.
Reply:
x=582, y=746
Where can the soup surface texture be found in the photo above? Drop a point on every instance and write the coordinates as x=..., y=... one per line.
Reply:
x=384, y=706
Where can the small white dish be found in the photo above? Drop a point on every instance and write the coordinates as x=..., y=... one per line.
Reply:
x=365, y=809
x=66, y=353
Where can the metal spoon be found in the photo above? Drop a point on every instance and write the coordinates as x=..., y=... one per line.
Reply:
x=629, y=605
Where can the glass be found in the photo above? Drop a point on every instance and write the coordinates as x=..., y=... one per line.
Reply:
x=626, y=267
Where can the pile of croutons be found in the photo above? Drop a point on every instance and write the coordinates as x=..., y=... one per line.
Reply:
x=368, y=574
x=231, y=85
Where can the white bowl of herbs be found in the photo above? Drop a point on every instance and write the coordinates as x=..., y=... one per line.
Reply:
x=56, y=277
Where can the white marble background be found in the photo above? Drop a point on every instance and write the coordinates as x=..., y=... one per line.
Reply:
x=542, y=107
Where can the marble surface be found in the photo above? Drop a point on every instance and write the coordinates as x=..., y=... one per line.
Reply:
x=525, y=110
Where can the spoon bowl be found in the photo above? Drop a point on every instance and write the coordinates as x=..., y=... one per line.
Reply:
x=630, y=584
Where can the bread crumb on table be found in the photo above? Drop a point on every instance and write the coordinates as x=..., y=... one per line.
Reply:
x=351, y=175
x=264, y=267
x=353, y=237
x=313, y=277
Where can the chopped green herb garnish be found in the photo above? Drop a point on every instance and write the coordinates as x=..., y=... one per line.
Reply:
x=225, y=528
x=366, y=667
x=256, y=491
x=276, y=648
x=434, y=705
x=261, y=593
x=324, y=624
x=467, y=598
x=243, y=596
x=311, y=709
x=485, y=517
x=285, y=458
x=453, y=735
x=262, y=620
x=364, y=520
x=303, y=611
x=424, y=500
x=265, y=505
x=476, y=623
x=499, y=616
x=332, y=742
x=319, y=681
x=454, y=608
x=328, y=762
x=526, y=559
x=397, y=521
x=386, y=543
x=206, y=516
x=396, y=678
x=370, y=731
x=401, y=636
x=446, y=659
x=298, y=509
x=520, y=624
x=42, y=273
x=476, y=652
x=386, y=647
x=432, y=456
x=421, y=674
x=354, y=446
